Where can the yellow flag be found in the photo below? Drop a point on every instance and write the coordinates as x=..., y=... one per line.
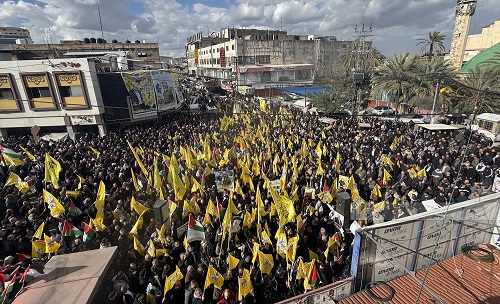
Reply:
x=172, y=279
x=175, y=179
x=50, y=246
x=214, y=277
x=15, y=180
x=138, y=246
x=255, y=251
x=281, y=243
x=99, y=202
x=247, y=219
x=97, y=224
x=266, y=262
x=386, y=178
x=313, y=255
x=196, y=185
x=30, y=156
x=379, y=206
x=232, y=261
x=226, y=224
x=138, y=225
x=376, y=191
x=244, y=284
x=302, y=270
x=156, y=177
x=151, y=249
x=265, y=237
x=232, y=207
x=80, y=181
x=56, y=209
x=38, y=248
x=262, y=103
x=95, y=151
x=137, y=159
x=291, y=248
x=284, y=207
x=74, y=194
x=52, y=170
x=39, y=231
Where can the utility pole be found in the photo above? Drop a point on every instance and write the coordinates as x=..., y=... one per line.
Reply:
x=360, y=72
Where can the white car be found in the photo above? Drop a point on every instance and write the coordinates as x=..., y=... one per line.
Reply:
x=383, y=110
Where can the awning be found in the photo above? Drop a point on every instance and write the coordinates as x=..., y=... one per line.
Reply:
x=302, y=90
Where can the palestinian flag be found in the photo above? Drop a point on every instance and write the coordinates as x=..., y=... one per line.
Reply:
x=67, y=229
x=74, y=211
x=313, y=275
x=88, y=232
x=10, y=156
x=29, y=275
x=9, y=285
x=195, y=231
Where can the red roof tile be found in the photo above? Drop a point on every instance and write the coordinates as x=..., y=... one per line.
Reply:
x=455, y=280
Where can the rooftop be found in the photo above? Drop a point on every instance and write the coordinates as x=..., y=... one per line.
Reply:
x=489, y=117
x=460, y=279
x=69, y=278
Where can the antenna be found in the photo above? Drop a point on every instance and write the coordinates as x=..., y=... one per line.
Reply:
x=281, y=26
x=100, y=20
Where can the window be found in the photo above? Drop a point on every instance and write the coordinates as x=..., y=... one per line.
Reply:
x=38, y=91
x=232, y=47
x=487, y=125
x=71, y=90
x=8, y=96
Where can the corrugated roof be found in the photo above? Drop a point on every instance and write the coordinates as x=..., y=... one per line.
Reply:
x=456, y=280
x=489, y=117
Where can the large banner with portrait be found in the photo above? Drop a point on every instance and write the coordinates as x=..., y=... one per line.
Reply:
x=150, y=92
x=165, y=90
x=224, y=180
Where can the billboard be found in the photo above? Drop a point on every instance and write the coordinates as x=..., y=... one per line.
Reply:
x=386, y=251
x=150, y=92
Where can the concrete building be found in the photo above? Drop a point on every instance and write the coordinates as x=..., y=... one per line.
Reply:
x=465, y=9
x=262, y=58
x=490, y=36
x=60, y=93
x=489, y=122
x=140, y=55
x=14, y=35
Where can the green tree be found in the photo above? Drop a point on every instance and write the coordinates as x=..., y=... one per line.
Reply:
x=349, y=56
x=478, y=90
x=335, y=97
x=433, y=45
x=397, y=77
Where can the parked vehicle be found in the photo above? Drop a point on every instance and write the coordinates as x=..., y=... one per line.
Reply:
x=383, y=111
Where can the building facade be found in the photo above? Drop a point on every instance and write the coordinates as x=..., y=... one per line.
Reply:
x=139, y=54
x=14, y=35
x=61, y=93
x=490, y=36
x=262, y=58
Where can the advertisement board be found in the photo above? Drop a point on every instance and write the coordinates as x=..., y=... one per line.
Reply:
x=382, y=251
x=150, y=92
x=333, y=292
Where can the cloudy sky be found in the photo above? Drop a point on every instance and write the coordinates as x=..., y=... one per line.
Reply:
x=396, y=23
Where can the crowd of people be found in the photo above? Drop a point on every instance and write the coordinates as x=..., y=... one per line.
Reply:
x=388, y=169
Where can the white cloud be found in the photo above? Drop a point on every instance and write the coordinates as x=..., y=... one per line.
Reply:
x=396, y=24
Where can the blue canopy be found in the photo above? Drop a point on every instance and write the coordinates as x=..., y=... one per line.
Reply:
x=303, y=90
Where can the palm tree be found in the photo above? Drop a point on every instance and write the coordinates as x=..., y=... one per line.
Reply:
x=479, y=90
x=433, y=45
x=398, y=77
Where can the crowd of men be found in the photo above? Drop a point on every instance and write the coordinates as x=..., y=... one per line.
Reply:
x=388, y=169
